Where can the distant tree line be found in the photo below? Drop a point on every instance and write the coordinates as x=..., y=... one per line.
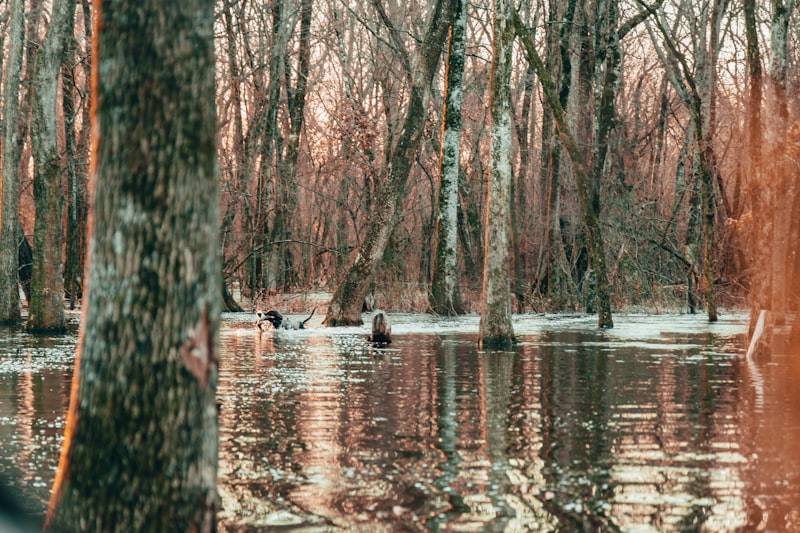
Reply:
x=357, y=148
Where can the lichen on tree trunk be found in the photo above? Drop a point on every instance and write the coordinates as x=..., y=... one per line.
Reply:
x=445, y=296
x=140, y=450
x=496, y=330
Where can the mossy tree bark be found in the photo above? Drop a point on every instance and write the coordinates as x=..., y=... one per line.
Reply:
x=12, y=146
x=140, y=451
x=345, y=306
x=47, y=286
x=445, y=296
x=495, y=326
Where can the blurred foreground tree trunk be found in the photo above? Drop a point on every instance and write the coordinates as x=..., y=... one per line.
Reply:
x=445, y=295
x=47, y=287
x=140, y=450
x=12, y=146
x=758, y=283
x=495, y=325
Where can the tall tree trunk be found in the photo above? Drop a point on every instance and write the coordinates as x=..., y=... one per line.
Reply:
x=33, y=19
x=12, y=146
x=287, y=206
x=554, y=278
x=84, y=145
x=261, y=149
x=781, y=209
x=519, y=198
x=697, y=92
x=606, y=81
x=140, y=451
x=72, y=263
x=495, y=325
x=47, y=286
x=756, y=83
x=445, y=295
x=758, y=283
x=580, y=169
x=237, y=199
x=692, y=239
x=707, y=207
x=345, y=307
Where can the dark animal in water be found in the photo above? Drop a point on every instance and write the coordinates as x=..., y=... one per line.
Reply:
x=381, y=329
x=279, y=322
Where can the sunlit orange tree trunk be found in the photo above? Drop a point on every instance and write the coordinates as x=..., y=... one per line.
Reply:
x=140, y=451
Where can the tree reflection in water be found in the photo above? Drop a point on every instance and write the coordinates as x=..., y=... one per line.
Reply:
x=575, y=428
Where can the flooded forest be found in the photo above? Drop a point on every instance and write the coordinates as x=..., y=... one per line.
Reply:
x=373, y=265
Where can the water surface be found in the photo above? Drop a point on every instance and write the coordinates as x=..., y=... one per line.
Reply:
x=655, y=425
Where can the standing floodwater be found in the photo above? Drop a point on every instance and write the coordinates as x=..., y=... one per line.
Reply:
x=655, y=424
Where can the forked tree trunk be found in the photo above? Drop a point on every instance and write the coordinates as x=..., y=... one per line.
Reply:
x=47, y=287
x=445, y=296
x=345, y=306
x=12, y=145
x=140, y=451
x=495, y=326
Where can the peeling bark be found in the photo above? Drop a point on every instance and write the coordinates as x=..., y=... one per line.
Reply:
x=140, y=450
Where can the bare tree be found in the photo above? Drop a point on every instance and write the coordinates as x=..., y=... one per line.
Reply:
x=345, y=306
x=47, y=287
x=696, y=88
x=495, y=326
x=9, y=232
x=445, y=297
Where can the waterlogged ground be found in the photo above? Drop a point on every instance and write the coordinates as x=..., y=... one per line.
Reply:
x=660, y=424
